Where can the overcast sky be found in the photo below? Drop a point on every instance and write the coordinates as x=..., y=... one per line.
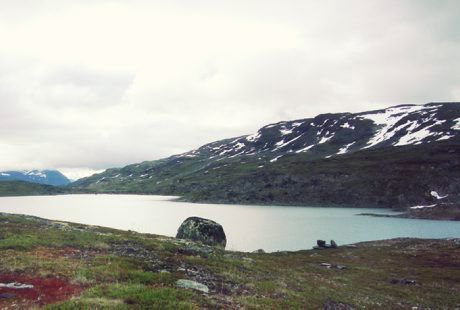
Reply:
x=96, y=84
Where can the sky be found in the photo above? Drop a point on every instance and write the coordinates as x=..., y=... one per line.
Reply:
x=87, y=85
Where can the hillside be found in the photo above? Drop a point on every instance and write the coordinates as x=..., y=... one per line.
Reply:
x=21, y=188
x=73, y=266
x=48, y=177
x=393, y=157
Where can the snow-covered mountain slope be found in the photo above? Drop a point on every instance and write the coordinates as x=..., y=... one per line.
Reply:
x=329, y=135
x=393, y=157
x=49, y=177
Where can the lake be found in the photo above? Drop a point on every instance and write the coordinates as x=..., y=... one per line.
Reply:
x=272, y=228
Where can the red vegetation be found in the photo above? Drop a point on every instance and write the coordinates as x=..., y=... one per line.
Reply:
x=45, y=290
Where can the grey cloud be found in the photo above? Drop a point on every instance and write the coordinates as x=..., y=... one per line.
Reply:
x=75, y=86
x=151, y=90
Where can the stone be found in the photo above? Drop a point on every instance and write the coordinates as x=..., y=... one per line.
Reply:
x=403, y=281
x=336, y=305
x=202, y=230
x=16, y=285
x=321, y=243
x=333, y=244
x=248, y=259
x=189, y=284
x=259, y=251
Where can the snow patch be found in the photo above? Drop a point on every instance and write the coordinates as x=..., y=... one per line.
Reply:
x=446, y=137
x=305, y=149
x=254, y=137
x=285, y=131
x=281, y=144
x=35, y=173
x=414, y=136
x=325, y=139
x=275, y=159
x=344, y=149
x=100, y=180
x=436, y=195
x=347, y=125
x=387, y=119
x=239, y=145
x=457, y=124
x=224, y=152
x=421, y=207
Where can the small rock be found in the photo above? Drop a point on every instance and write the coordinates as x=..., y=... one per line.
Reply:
x=16, y=285
x=321, y=243
x=259, y=251
x=189, y=284
x=403, y=281
x=327, y=265
x=336, y=305
x=333, y=244
x=130, y=251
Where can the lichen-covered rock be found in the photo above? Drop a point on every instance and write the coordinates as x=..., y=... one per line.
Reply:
x=203, y=230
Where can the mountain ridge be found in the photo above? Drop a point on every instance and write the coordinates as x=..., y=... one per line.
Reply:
x=274, y=155
x=47, y=177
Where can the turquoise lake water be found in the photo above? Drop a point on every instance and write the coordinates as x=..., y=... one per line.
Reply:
x=272, y=228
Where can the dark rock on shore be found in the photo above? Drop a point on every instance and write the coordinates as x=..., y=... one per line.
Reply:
x=202, y=230
x=321, y=244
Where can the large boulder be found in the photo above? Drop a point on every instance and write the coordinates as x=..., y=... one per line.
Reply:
x=203, y=230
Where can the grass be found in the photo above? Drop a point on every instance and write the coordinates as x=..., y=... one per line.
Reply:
x=119, y=269
x=123, y=296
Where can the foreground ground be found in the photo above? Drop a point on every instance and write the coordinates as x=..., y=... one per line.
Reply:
x=64, y=265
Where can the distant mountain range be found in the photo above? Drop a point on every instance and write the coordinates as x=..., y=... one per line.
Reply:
x=47, y=177
x=393, y=157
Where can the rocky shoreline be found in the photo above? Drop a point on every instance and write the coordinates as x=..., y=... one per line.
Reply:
x=444, y=212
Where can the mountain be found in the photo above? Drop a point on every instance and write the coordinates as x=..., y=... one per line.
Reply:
x=393, y=157
x=48, y=177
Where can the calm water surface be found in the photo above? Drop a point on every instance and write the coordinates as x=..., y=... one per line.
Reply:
x=248, y=228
